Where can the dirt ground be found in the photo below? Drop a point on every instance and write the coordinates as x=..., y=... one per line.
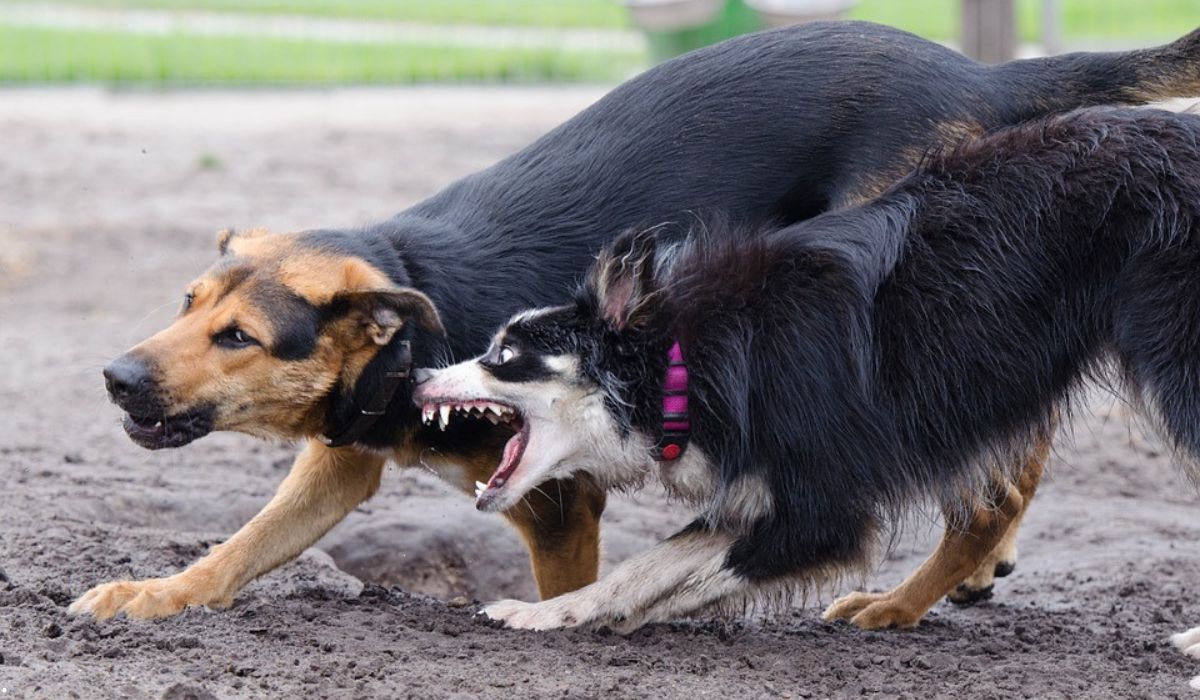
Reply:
x=109, y=204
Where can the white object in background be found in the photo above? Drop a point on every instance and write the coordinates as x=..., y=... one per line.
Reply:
x=671, y=15
x=781, y=13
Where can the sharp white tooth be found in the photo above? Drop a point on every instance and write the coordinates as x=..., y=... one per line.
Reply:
x=493, y=408
x=158, y=424
x=480, y=486
x=478, y=493
x=444, y=412
x=427, y=414
x=494, y=420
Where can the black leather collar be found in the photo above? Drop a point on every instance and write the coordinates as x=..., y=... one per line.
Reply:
x=377, y=404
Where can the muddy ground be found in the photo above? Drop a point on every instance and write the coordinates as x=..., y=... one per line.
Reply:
x=109, y=204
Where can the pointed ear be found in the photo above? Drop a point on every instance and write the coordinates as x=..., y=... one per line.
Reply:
x=223, y=237
x=382, y=312
x=622, y=280
x=226, y=237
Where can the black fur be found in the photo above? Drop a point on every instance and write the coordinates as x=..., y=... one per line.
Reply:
x=774, y=126
x=295, y=321
x=907, y=347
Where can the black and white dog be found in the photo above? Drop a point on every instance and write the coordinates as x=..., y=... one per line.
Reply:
x=831, y=372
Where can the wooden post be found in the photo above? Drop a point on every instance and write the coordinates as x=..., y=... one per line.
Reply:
x=1052, y=27
x=989, y=30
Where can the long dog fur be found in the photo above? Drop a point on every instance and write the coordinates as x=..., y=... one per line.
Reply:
x=778, y=125
x=879, y=354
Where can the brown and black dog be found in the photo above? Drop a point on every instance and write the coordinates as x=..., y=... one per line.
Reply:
x=314, y=335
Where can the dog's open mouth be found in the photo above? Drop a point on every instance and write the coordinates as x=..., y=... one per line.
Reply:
x=161, y=432
x=440, y=413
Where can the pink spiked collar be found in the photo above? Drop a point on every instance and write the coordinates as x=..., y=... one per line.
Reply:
x=676, y=426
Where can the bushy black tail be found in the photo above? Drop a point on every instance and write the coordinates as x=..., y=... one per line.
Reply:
x=1157, y=339
x=1070, y=81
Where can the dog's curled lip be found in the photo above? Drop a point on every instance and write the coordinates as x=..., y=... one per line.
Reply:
x=437, y=409
x=176, y=430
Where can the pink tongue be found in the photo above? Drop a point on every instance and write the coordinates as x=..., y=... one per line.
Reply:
x=512, y=451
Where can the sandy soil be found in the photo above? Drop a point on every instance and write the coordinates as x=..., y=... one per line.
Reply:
x=109, y=203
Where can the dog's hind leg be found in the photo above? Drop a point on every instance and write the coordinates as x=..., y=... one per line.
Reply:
x=560, y=523
x=961, y=552
x=1003, y=559
x=679, y=576
x=999, y=563
x=324, y=485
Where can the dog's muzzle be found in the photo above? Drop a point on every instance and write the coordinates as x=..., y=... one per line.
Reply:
x=148, y=422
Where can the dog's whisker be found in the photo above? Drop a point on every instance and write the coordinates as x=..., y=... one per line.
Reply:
x=132, y=332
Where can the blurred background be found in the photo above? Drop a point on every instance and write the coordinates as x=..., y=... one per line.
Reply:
x=132, y=130
x=357, y=42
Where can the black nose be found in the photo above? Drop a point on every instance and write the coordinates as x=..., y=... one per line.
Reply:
x=126, y=377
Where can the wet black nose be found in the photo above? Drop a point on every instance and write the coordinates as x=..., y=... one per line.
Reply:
x=126, y=377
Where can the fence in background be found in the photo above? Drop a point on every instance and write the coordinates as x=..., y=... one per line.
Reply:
x=325, y=42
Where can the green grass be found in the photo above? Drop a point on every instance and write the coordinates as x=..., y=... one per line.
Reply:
x=540, y=13
x=1082, y=20
x=30, y=55
x=937, y=19
x=51, y=55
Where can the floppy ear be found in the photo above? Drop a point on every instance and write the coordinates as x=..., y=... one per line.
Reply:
x=622, y=280
x=382, y=312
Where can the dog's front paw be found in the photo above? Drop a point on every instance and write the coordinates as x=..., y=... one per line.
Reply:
x=547, y=615
x=872, y=611
x=1188, y=642
x=157, y=597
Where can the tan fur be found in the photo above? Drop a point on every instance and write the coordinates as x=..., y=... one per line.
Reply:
x=560, y=527
x=559, y=522
x=961, y=553
x=324, y=485
x=984, y=576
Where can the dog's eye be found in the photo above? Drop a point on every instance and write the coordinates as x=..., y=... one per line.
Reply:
x=234, y=338
x=187, y=300
x=504, y=355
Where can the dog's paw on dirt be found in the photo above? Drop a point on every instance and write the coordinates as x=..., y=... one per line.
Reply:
x=1189, y=643
x=872, y=611
x=547, y=615
x=152, y=598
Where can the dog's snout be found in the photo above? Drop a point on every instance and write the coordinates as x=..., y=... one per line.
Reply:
x=126, y=377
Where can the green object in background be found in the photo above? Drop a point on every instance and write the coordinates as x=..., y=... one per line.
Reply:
x=29, y=55
x=735, y=19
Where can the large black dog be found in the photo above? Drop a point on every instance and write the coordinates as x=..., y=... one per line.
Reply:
x=837, y=370
x=305, y=335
